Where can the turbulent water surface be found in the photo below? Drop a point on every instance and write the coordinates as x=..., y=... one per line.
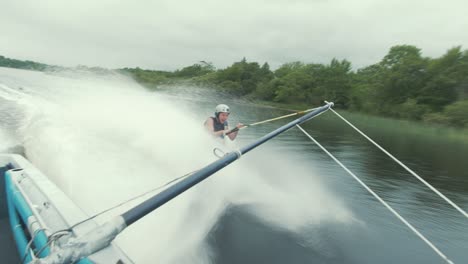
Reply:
x=105, y=139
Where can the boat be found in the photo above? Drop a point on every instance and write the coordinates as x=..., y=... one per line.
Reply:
x=34, y=209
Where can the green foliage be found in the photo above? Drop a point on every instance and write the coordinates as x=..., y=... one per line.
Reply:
x=402, y=74
x=27, y=65
x=366, y=84
x=404, y=84
x=246, y=76
x=436, y=118
x=445, y=74
x=438, y=92
x=457, y=113
x=195, y=70
x=295, y=83
x=148, y=78
x=410, y=110
x=337, y=81
x=309, y=83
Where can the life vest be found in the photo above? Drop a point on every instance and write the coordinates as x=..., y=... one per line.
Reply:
x=218, y=126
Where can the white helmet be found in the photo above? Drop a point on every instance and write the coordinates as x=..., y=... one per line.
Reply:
x=222, y=108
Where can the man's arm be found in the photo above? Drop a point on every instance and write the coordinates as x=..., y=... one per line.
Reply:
x=233, y=135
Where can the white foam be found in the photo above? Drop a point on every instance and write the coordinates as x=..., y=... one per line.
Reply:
x=106, y=139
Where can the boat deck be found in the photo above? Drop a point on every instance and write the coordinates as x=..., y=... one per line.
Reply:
x=8, y=251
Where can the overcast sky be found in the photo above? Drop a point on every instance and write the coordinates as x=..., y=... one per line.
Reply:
x=169, y=35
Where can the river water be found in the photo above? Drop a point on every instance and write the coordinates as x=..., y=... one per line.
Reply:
x=104, y=139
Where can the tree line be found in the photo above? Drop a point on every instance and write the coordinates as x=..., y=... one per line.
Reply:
x=404, y=84
x=19, y=64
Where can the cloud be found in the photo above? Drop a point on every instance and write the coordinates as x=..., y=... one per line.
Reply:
x=168, y=35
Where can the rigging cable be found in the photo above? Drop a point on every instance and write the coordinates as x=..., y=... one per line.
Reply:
x=380, y=199
x=404, y=166
x=69, y=230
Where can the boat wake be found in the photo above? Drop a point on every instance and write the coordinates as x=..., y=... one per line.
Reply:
x=105, y=139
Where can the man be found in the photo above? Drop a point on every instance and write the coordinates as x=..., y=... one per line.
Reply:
x=218, y=125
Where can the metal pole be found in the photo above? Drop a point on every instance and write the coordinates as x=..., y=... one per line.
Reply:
x=163, y=197
x=103, y=235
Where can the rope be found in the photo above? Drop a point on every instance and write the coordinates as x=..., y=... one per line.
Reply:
x=380, y=199
x=122, y=203
x=404, y=166
x=281, y=117
x=28, y=246
x=270, y=120
x=54, y=237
